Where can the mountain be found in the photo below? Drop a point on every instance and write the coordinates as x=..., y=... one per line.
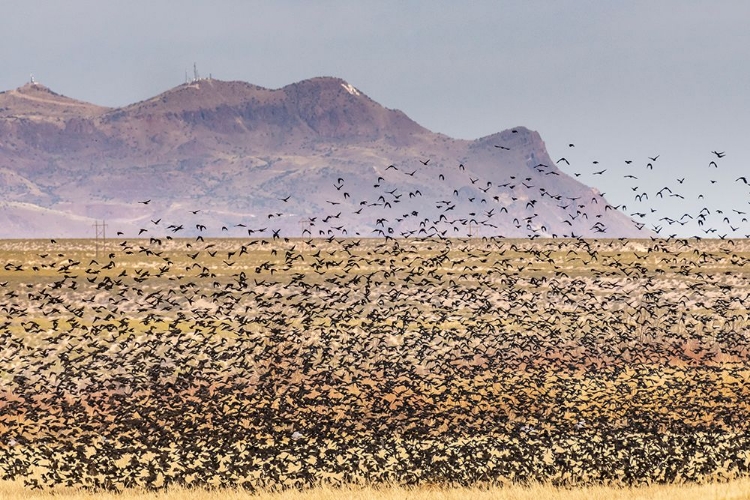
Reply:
x=317, y=157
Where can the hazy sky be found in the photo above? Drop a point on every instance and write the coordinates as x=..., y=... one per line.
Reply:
x=622, y=80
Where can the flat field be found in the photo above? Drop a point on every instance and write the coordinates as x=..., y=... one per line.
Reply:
x=262, y=364
x=738, y=489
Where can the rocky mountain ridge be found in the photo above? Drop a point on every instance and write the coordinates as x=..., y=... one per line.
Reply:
x=314, y=158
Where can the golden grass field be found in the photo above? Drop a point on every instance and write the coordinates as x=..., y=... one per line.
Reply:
x=734, y=490
x=431, y=364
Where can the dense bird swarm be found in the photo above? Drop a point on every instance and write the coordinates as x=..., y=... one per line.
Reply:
x=287, y=363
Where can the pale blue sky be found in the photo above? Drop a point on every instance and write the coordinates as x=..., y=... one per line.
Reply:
x=621, y=80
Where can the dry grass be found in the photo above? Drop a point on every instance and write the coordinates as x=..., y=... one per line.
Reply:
x=733, y=490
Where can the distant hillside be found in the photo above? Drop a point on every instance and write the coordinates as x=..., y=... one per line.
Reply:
x=317, y=157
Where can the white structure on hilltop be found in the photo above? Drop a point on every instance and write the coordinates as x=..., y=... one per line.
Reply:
x=196, y=76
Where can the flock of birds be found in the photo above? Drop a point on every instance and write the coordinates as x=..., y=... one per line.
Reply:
x=657, y=197
x=398, y=206
x=301, y=361
x=416, y=199
x=269, y=362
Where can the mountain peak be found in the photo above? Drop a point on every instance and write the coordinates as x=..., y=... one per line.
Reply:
x=35, y=99
x=327, y=89
x=330, y=83
x=31, y=87
x=334, y=108
x=201, y=94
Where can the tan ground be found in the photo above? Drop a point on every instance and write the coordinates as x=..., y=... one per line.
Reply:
x=733, y=490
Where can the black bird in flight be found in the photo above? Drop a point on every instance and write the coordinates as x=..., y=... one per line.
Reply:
x=719, y=154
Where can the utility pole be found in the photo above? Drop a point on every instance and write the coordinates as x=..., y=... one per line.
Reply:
x=100, y=235
x=473, y=230
x=305, y=224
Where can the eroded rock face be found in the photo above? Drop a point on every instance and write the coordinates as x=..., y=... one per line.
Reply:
x=313, y=151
